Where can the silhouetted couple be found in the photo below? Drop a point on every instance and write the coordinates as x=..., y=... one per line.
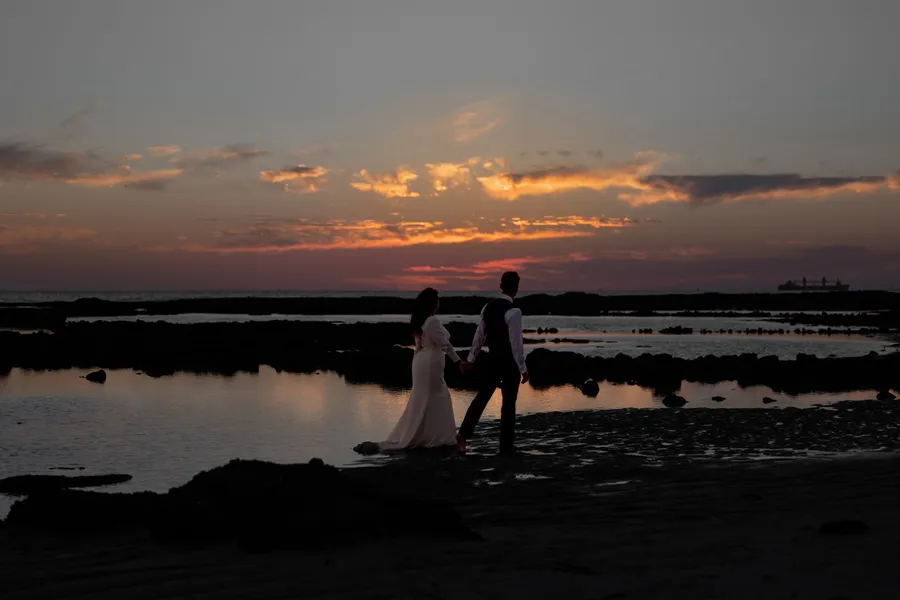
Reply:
x=428, y=420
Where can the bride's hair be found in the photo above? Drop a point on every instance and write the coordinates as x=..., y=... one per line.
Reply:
x=426, y=302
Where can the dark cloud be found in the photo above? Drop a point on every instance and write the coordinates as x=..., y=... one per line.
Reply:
x=598, y=154
x=564, y=153
x=71, y=125
x=545, y=173
x=19, y=160
x=712, y=189
x=32, y=162
x=214, y=158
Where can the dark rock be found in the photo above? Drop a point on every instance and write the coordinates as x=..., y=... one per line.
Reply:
x=258, y=505
x=373, y=352
x=674, y=401
x=590, y=388
x=96, y=376
x=23, y=485
x=367, y=448
x=677, y=330
x=768, y=400
x=846, y=527
x=885, y=395
x=718, y=398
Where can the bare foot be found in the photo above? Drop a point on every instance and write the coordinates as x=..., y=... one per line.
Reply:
x=460, y=444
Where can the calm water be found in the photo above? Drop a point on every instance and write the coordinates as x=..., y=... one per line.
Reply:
x=163, y=431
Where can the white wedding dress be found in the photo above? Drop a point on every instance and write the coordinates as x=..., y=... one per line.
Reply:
x=428, y=420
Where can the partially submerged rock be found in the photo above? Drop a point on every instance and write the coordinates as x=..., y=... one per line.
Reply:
x=769, y=400
x=96, y=376
x=718, y=398
x=674, y=401
x=885, y=395
x=590, y=388
x=677, y=330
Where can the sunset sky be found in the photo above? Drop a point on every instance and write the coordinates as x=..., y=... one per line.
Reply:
x=392, y=144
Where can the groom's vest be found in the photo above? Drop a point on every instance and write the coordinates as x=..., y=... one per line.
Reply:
x=497, y=331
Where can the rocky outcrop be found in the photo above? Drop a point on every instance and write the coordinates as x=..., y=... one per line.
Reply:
x=664, y=373
x=258, y=505
x=380, y=353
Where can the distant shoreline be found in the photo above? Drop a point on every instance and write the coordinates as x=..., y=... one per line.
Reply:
x=53, y=312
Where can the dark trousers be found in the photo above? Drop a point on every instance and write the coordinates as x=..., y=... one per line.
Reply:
x=507, y=378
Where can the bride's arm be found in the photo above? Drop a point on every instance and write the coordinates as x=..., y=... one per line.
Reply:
x=441, y=338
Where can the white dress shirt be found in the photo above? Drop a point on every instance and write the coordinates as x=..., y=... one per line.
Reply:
x=513, y=319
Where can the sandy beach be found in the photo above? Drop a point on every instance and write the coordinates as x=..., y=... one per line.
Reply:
x=583, y=512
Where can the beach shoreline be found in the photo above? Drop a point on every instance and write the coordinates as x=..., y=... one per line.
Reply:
x=617, y=527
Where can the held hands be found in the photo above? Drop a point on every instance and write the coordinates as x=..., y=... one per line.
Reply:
x=465, y=367
x=525, y=377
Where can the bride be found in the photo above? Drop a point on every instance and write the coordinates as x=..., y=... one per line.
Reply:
x=428, y=420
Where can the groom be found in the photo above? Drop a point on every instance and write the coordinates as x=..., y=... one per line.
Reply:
x=500, y=328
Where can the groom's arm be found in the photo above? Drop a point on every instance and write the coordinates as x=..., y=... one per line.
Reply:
x=478, y=340
x=514, y=325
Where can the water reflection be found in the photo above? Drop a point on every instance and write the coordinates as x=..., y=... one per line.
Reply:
x=165, y=430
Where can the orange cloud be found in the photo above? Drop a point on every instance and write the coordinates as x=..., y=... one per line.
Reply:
x=522, y=263
x=143, y=180
x=301, y=179
x=163, y=151
x=576, y=221
x=372, y=234
x=511, y=186
x=447, y=175
x=389, y=185
x=481, y=269
x=894, y=181
x=133, y=157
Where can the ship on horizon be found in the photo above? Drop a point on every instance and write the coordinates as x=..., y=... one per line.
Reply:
x=822, y=285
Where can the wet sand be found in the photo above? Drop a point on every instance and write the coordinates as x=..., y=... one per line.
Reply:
x=601, y=505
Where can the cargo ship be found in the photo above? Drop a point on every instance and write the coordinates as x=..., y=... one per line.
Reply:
x=821, y=285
